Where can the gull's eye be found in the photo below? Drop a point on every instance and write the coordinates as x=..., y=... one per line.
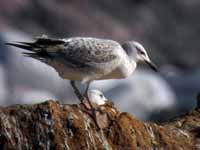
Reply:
x=140, y=51
x=101, y=95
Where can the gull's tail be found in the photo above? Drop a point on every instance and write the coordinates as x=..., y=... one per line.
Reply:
x=42, y=47
x=24, y=45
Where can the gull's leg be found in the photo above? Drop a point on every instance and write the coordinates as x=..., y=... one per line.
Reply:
x=91, y=106
x=76, y=91
x=86, y=94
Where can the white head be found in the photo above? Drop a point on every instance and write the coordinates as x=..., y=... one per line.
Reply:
x=96, y=96
x=137, y=52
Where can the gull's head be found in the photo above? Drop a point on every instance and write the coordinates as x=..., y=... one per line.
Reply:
x=136, y=51
x=96, y=96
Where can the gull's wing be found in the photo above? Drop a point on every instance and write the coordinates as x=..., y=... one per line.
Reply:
x=90, y=50
x=78, y=52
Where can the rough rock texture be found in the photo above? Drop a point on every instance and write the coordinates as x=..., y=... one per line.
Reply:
x=51, y=125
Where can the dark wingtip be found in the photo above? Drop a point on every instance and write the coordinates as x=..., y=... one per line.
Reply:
x=8, y=43
x=20, y=45
x=12, y=44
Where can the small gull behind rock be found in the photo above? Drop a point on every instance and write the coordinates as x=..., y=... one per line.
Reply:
x=97, y=97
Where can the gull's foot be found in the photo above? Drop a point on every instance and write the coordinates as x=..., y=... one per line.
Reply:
x=95, y=118
x=98, y=114
x=86, y=104
x=91, y=111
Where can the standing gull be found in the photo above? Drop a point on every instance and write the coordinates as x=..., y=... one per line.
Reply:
x=87, y=59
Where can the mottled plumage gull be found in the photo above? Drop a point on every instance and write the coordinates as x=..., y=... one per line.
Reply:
x=87, y=59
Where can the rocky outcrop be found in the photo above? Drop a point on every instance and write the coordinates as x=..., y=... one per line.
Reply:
x=51, y=125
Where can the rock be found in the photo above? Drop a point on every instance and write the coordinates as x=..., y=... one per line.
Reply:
x=51, y=125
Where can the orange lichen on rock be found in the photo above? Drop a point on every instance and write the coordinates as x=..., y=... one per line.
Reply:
x=51, y=125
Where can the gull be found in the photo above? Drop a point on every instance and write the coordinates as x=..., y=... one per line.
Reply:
x=97, y=97
x=87, y=59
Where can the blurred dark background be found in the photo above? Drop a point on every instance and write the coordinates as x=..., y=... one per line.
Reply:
x=169, y=30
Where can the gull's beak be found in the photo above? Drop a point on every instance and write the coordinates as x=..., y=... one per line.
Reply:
x=152, y=65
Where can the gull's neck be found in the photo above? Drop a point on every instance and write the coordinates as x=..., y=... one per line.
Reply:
x=130, y=51
x=128, y=66
x=125, y=69
x=132, y=56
